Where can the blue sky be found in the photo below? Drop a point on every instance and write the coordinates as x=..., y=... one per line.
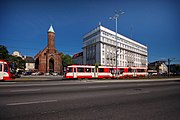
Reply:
x=155, y=23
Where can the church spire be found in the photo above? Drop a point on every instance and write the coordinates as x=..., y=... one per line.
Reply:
x=51, y=29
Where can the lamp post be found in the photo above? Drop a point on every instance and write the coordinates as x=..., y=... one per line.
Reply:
x=115, y=17
x=169, y=61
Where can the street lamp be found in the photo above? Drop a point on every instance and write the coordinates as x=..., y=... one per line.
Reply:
x=169, y=60
x=115, y=17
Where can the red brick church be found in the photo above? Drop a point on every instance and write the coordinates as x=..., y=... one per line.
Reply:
x=49, y=60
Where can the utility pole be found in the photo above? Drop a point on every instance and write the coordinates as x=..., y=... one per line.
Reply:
x=115, y=17
x=169, y=67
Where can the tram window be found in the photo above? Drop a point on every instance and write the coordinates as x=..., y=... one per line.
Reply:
x=111, y=70
x=121, y=71
x=5, y=68
x=92, y=69
x=69, y=69
x=101, y=69
x=80, y=70
x=88, y=69
x=129, y=70
x=140, y=70
x=0, y=67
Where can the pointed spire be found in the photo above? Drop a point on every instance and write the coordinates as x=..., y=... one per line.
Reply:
x=51, y=29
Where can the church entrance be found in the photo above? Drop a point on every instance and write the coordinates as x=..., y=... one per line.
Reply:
x=37, y=64
x=51, y=66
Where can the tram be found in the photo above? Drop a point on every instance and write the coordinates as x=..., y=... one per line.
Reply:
x=5, y=71
x=86, y=71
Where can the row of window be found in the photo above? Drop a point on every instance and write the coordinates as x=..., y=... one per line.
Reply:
x=80, y=69
x=129, y=46
x=5, y=68
x=122, y=40
x=91, y=36
x=105, y=70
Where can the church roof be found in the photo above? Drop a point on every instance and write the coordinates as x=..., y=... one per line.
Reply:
x=29, y=59
x=51, y=29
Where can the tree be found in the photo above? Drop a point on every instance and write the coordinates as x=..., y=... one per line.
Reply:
x=15, y=62
x=3, y=52
x=66, y=60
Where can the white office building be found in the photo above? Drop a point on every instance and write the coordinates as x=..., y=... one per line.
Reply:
x=99, y=47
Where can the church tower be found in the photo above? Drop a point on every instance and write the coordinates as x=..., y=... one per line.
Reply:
x=51, y=39
x=49, y=60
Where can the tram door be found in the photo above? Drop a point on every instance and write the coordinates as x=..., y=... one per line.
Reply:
x=75, y=73
x=1, y=71
x=94, y=72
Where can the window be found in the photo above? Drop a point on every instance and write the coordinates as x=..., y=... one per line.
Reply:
x=140, y=70
x=101, y=69
x=112, y=71
x=121, y=71
x=129, y=70
x=103, y=46
x=69, y=69
x=88, y=69
x=80, y=69
x=5, y=68
x=0, y=67
x=103, y=52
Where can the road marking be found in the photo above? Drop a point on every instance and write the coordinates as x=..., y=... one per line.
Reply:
x=97, y=86
x=25, y=90
x=40, y=84
x=32, y=102
x=135, y=92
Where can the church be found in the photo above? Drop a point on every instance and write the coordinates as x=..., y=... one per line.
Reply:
x=49, y=60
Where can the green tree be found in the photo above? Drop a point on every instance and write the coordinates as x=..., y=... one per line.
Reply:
x=3, y=52
x=66, y=60
x=17, y=62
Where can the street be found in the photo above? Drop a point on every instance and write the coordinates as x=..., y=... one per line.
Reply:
x=89, y=100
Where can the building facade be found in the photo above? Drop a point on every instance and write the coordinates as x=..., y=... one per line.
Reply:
x=30, y=63
x=99, y=47
x=49, y=60
x=159, y=67
x=78, y=58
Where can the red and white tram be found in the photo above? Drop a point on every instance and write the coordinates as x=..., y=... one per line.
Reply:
x=5, y=72
x=86, y=71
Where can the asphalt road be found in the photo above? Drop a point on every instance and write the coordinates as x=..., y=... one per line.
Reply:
x=88, y=100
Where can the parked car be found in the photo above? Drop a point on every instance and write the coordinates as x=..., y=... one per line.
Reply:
x=27, y=73
x=47, y=74
x=37, y=73
x=54, y=74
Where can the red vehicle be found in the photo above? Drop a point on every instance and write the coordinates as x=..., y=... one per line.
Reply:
x=86, y=71
x=5, y=71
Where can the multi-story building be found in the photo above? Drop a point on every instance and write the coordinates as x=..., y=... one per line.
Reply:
x=99, y=47
x=78, y=58
x=30, y=63
x=158, y=67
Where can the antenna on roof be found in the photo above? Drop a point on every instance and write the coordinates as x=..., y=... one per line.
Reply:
x=99, y=23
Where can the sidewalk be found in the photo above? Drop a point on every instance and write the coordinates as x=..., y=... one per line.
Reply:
x=60, y=78
x=134, y=80
x=38, y=78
